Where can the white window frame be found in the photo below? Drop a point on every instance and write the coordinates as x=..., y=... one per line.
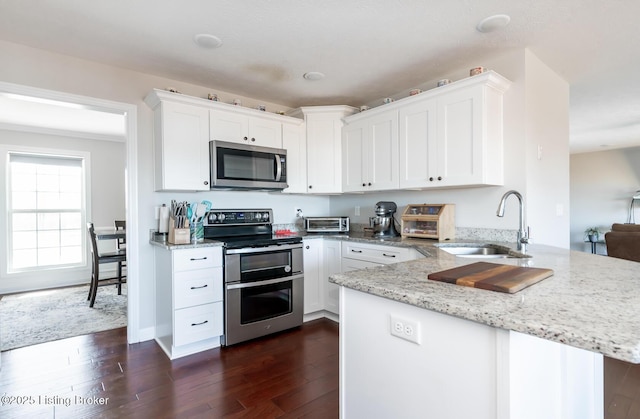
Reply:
x=5, y=245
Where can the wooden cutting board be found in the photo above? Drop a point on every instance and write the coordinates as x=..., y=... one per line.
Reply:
x=492, y=276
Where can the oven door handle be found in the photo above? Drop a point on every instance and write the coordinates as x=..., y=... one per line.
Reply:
x=263, y=249
x=267, y=282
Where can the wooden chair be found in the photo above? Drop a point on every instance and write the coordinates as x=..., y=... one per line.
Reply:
x=122, y=244
x=97, y=259
x=623, y=241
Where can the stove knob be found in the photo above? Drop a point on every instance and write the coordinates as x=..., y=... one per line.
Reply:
x=258, y=216
x=265, y=216
x=211, y=217
x=221, y=217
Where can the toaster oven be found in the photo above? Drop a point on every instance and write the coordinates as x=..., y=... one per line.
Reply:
x=326, y=224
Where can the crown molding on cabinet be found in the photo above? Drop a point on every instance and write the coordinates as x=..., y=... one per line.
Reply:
x=156, y=96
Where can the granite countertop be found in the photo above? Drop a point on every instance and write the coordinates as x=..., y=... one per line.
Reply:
x=160, y=242
x=591, y=302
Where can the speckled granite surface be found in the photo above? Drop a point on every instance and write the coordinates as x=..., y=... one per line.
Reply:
x=591, y=302
x=169, y=246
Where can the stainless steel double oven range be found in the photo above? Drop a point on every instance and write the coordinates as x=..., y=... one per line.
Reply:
x=263, y=275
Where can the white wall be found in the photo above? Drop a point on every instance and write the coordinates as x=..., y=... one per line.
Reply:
x=107, y=176
x=547, y=153
x=602, y=184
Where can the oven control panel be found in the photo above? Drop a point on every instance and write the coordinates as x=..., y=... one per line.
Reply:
x=241, y=217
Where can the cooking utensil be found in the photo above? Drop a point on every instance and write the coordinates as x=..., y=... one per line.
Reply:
x=201, y=210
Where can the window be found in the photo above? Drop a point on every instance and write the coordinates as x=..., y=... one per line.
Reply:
x=46, y=208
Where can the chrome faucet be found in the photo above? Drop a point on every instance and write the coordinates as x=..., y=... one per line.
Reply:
x=523, y=234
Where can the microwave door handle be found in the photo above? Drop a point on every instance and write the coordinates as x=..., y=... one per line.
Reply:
x=278, y=167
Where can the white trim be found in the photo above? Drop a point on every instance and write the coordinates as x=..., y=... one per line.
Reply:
x=131, y=138
x=62, y=275
x=83, y=135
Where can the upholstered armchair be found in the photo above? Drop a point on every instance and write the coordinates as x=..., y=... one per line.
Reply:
x=623, y=241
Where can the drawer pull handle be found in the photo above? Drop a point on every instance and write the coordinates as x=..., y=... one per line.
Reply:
x=201, y=323
x=389, y=256
x=192, y=259
x=356, y=251
x=201, y=286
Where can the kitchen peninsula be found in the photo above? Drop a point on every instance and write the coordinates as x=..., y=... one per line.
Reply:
x=483, y=354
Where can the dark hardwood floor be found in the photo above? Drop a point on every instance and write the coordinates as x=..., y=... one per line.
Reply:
x=621, y=389
x=289, y=375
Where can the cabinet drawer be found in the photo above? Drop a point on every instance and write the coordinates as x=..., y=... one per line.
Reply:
x=197, y=287
x=199, y=258
x=375, y=253
x=197, y=323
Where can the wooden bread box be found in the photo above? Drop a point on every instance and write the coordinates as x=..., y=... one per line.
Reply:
x=429, y=221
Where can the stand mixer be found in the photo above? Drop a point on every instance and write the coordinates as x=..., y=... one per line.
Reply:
x=383, y=222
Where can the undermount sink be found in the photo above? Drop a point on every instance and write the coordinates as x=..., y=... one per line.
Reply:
x=482, y=252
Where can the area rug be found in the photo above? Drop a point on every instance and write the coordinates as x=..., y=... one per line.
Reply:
x=43, y=316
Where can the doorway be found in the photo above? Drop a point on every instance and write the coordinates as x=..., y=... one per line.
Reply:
x=127, y=114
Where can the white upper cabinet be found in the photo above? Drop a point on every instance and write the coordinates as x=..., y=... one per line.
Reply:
x=417, y=144
x=454, y=136
x=181, y=147
x=370, y=153
x=240, y=128
x=324, y=146
x=295, y=142
x=446, y=137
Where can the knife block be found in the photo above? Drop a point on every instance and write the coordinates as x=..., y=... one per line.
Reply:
x=178, y=235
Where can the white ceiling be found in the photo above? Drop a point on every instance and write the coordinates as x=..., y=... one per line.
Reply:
x=368, y=49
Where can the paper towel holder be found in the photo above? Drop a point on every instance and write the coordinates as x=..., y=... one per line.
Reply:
x=163, y=220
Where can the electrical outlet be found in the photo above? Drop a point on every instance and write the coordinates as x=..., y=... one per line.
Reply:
x=405, y=329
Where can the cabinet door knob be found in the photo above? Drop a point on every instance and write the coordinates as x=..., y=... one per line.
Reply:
x=245, y=138
x=369, y=184
x=430, y=179
x=206, y=182
x=310, y=186
x=253, y=139
x=363, y=184
x=307, y=247
x=439, y=177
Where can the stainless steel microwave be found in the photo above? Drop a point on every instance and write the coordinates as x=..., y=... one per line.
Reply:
x=326, y=224
x=243, y=166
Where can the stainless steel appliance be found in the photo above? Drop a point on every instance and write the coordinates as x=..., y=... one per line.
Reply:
x=326, y=224
x=384, y=221
x=242, y=166
x=263, y=275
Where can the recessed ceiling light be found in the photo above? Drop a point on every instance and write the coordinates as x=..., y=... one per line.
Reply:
x=208, y=41
x=493, y=23
x=313, y=75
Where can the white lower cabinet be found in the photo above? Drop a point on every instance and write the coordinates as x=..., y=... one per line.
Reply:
x=322, y=258
x=189, y=300
x=367, y=255
x=326, y=257
x=313, y=289
x=332, y=263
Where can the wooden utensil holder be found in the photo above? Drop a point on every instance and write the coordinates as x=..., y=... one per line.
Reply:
x=178, y=235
